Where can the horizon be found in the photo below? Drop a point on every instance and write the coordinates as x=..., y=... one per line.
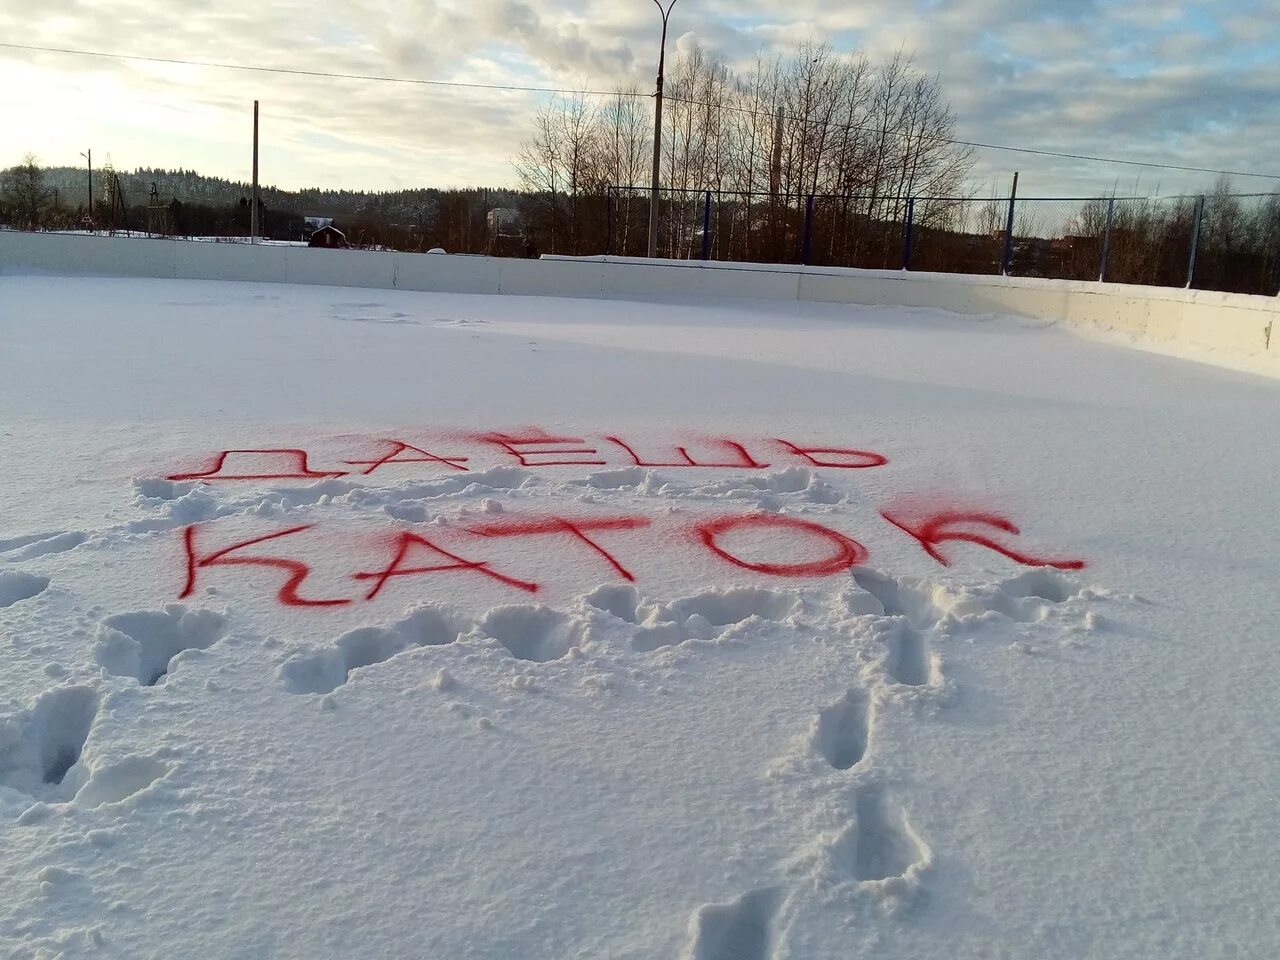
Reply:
x=1236, y=188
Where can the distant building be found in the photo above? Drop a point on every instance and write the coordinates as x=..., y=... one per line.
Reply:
x=1074, y=242
x=503, y=222
x=328, y=236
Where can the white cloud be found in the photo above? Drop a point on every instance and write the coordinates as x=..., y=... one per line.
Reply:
x=1192, y=83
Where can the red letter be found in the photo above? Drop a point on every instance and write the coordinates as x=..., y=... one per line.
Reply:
x=575, y=528
x=510, y=443
x=932, y=526
x=744, y=459
x=399, y=447
x=297, y=570
x=300, y=472
x=404, y=541
x=862, y=458
x=848, y=552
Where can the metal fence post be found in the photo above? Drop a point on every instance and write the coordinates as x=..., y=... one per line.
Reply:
x=706, y=227
x=1006, y=260
x=608, y=220
x=1106, y=240
x=806, y=247
x=906, y=233
x=1195, y=242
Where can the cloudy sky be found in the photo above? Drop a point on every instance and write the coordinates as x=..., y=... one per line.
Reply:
x=1194, y=83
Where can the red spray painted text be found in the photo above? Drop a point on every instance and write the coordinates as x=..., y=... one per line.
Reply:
x=532, y=448
x=459, y=550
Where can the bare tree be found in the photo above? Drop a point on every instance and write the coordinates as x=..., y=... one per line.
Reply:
x=864, y=139
x=622, y=147
x=26, y=196
x=694, y=135
x=753, y=144
x=556, y=165
x=623, y=141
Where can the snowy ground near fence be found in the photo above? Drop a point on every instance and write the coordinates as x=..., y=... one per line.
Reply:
x=656, y=751
x=148, y=235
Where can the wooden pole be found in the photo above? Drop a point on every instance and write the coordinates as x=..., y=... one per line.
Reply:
x=253, y=214
x=1006, y=261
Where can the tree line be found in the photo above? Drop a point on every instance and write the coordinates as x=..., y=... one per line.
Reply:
x=826, y=156
x=868, y=135
x=184, y=203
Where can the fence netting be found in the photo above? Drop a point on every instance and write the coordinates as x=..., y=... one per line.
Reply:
x=1221, y=241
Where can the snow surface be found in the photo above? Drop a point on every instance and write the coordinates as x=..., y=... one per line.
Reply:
x=903, y=760
x=1135, y=290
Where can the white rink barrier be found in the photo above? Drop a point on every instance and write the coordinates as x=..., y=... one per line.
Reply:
x=1229, y=329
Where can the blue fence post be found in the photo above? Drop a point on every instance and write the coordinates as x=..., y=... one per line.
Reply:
x=1106, y=240
x=906, y=233
x=806, y=247
x=706, y=227
x=608, y=220
x=1195, y=242
x=1006, y=259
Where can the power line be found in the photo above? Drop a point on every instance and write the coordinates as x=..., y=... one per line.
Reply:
x=629, y=94
x=313, y=73
x=971, y=143
x=1130, y=163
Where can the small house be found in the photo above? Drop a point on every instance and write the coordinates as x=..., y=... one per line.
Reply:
x=503, y=222
x=329, y=237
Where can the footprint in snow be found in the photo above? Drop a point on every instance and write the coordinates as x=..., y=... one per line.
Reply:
x=908, y=660
x=881, y=847
x=42, y=545
x=743, y=929
x=699, y=616
x=323, y=671
x=841, y=731
x=16, y=586
x=43, y=759
x=142, y=644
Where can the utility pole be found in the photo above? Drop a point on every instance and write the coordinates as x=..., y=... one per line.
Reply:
x=1195, y=241
x=775, y=181
x=89, y=156
x=657, y=131
x=775, y=161
x=1006, y=260
x=253, y=214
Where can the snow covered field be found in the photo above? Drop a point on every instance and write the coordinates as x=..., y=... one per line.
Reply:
x=928, y=637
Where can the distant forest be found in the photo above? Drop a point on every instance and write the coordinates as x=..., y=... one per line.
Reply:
x=188, y=203
x=189, y=186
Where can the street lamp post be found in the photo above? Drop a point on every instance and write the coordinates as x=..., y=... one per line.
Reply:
x=89, y=157
x=253, y=213
x=657, y=131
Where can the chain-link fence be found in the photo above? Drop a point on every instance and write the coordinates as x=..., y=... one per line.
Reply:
x=702, y=224
x=955, y=235
x=1220, y=241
